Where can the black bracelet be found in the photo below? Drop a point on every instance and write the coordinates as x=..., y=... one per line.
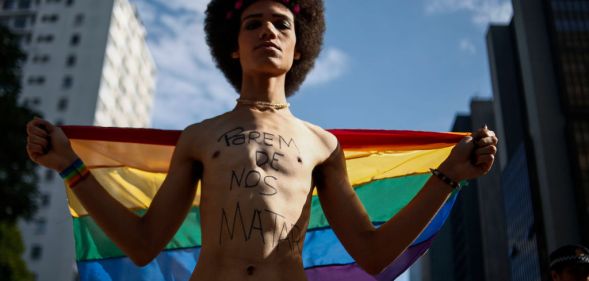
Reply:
x=446, y=179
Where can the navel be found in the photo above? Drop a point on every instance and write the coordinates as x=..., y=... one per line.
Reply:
x=250, y=270
x=216, y=154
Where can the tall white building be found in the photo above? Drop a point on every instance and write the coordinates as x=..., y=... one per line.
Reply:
x=87, y=64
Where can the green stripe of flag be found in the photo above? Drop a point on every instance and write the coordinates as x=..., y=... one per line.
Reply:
x=382, y=200
x=92, y=243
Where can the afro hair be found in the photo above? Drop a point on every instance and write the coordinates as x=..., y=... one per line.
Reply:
x=222, y=32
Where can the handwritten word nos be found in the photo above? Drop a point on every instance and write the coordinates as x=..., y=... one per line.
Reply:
x=253, y=179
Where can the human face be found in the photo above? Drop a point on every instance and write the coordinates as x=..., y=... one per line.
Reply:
x=572, y=273
x=267, y=40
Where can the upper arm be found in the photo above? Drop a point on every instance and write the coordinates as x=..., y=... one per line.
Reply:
x=176, y=194
x=342, y=207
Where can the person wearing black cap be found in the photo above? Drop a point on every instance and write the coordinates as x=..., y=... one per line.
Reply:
x=570, y=263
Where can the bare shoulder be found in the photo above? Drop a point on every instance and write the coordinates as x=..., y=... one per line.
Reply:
x=203, y=127
x=194, y=138
x=327, y=141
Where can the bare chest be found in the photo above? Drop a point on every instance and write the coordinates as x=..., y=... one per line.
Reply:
x=259, y=159
x=256, y=187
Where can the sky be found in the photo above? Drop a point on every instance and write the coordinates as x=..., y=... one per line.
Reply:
x=385, y=64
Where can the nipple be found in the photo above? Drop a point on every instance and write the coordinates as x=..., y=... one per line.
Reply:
x=250, y=270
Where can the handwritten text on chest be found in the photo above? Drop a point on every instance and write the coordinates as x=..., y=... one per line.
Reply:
x=270, y=151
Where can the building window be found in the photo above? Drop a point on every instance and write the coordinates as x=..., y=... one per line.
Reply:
x=8, y=4
x=50, y=18
x=70, y=61
x=45, y=199
x=45, y=38
x=36, y=252
x=40, y=226
x=40, y=58
x=79, y=20
x=69, y=2
x=62, y=104
x=26, y=38
x=24, y=4
x=36, y=80
x=36, y=101
x=75, y=40
x=20, y=22
x=67, y=82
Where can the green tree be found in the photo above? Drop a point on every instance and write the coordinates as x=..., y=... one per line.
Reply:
x=12, y=267
x=18, y=180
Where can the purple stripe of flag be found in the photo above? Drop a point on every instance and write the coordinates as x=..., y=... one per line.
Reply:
x=353, y=272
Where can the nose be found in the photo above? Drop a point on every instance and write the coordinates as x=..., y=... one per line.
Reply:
x=268, y=31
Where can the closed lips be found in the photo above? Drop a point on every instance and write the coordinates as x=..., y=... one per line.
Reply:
x=268, y=45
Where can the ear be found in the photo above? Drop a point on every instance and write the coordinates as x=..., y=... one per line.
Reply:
x=235, y=55
x=555, y=276
x=297, y=55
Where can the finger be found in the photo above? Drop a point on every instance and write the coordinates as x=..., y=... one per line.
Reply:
x=38, y=140
x=483, y=133
x=42, y=124
x=467, y=139
x=492, y=140
x=35, y=123
x=488, y=134
x=34, y=130
x=466, y=143
x=485, y=160
x=30, y=125
x=489, y=149
x=34, y=150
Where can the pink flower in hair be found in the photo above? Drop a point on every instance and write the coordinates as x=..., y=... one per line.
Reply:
x=296, y=9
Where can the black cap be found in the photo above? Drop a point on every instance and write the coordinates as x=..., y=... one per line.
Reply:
x=569, y=255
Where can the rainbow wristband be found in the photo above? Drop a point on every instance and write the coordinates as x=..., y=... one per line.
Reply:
x=74, y=173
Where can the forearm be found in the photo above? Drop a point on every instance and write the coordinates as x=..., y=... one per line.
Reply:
x=121, y=225
x=47, y=145
x=392, y=238
x=375, y=248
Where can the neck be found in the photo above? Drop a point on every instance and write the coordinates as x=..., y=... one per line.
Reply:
x=268, y=89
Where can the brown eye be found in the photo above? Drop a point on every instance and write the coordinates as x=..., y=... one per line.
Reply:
x=252, y=24
x=282, y=25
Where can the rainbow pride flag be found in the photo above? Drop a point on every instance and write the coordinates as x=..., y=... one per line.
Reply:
x=386, y=168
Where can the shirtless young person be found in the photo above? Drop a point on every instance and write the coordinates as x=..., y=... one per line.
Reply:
x=258, y=164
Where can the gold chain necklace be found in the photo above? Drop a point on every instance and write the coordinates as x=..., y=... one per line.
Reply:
x=263, y=104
